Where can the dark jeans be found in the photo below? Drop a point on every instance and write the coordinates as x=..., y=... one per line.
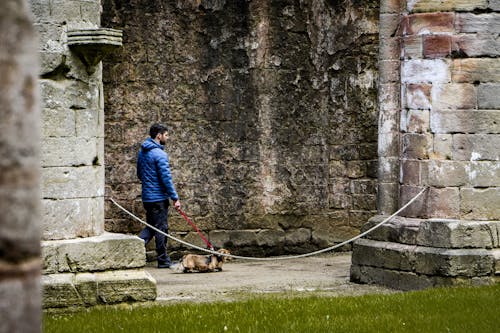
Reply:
x=157, y=216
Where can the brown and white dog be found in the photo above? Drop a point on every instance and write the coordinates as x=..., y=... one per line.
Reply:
x=200, y=263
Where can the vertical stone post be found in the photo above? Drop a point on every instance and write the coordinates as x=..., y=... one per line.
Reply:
x=82, y=264
x=20, y=301
x=449, y=137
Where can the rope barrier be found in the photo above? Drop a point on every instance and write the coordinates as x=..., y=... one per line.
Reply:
x=274, y=258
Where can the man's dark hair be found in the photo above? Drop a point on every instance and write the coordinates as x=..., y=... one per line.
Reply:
x=157, y=128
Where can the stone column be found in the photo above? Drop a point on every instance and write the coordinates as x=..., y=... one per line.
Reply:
x=449, y=134
x=82, y=264
x=20, y=301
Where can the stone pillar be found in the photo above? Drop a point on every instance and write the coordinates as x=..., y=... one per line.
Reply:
x=82, y=264
x=20, y=301
x=449, y=134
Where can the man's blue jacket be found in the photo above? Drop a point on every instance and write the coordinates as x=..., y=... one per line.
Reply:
x=153, y=171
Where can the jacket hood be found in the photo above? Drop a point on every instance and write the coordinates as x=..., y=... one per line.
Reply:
x=150, y=144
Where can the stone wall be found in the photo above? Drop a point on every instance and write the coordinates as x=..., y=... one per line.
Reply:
x=272, y=110
x=20, y=297
x=441, y=116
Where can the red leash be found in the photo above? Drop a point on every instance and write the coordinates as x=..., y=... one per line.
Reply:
x=210, y=246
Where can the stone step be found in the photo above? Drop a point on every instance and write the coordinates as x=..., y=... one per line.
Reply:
x=107, y=251
x=88, y=289
x=424, y=260
x=440, y=233
x=411, y=281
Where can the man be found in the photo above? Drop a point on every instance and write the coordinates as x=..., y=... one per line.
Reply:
x=153, y=171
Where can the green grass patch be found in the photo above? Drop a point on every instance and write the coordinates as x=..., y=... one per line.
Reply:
x=435, y=310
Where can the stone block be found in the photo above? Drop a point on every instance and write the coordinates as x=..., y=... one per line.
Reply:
x=389, y=71
x=454, y=262
x=448, y=5
x=125, y=286
x=389, y=48
x=388, y=145
x=388, y=122
x=297, y=236
x=474, y=121
x=443, y=202
x=453, y=96
x=389, y=96
x=239, y=238
x=442, y=148
x=477, y=45
x=363, y=186
x=66, y=152
x=426, y=71
x=58, y=123
x=436, y=202
x=412, y=47
x=480, y=204
x=488, y=97
x=483, y=174
x=475, y=70
x=72, y=218
x=87, y=289
x=390, y=278
x=447, y=173
x=383, y=254
x=415, y=121
x=398, y=229
x=418, y=96
x=476, y=147
x=72, y=182
x=88, y=123
x=410, y=172
x=430, y=23
x=389, y=25
x=474, y=23
x=270, y=237
x=458, y=234
x=104, y=252
x=58, y=291
x=436, y=46
x=416, y=146
x=60, y=93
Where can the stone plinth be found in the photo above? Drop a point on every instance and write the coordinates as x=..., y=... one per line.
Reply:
x=415, y=254
x=87, y=289
x=103, y=269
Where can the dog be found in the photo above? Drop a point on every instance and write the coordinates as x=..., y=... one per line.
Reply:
x=200, y=263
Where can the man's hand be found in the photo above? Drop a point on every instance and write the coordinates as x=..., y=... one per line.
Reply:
x=177, y=204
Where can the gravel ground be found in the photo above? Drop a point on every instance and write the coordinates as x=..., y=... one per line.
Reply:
x=326, y=275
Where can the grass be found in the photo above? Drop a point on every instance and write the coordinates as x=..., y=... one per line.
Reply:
x=467, y=310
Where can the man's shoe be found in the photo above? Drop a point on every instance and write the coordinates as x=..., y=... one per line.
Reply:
x=163, y=265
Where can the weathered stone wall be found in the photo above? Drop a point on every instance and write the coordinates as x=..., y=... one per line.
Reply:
x=439, y=129
x=20, y=299
x=272, y=109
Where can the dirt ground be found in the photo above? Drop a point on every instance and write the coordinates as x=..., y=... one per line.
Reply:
x=326, y=275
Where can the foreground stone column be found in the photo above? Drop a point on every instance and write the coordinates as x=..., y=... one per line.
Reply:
x=449, y=135
x=20, y=301
x=82, y=265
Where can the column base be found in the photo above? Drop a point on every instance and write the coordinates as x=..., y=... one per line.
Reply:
x=411, y=254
